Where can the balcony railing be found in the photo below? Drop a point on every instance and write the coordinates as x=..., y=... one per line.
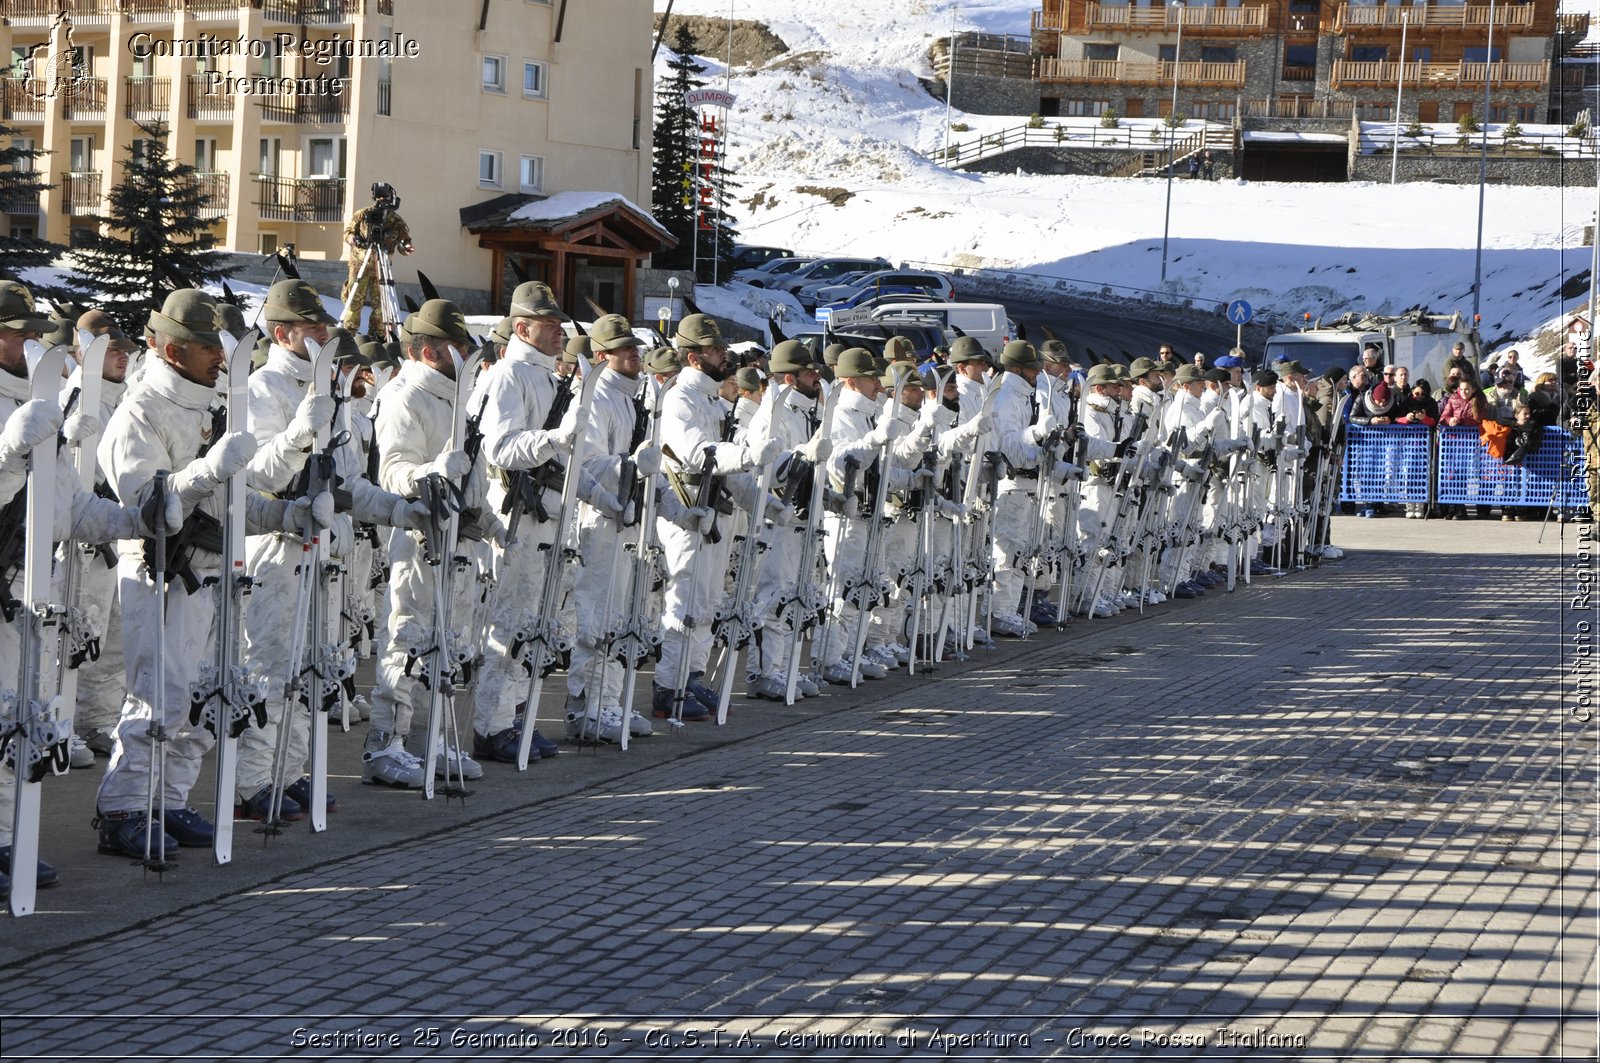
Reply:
x=309, y=107
x=1049, y=21
x=1439, y=75
x=206, y=105
x=385, y=96
x=20, y=100
x=1299, y=73
x=214, y=187
x=1420, y=16
x=1300, y=22
x=300, y=198
x=1117, y=72
x=24, y=13
x=80, y=192
x=146, y=99
x=315, y=12
x=1125, y=17
x=84, y=100
x=1297, y=107
x=1574, y=25
x=22, y=204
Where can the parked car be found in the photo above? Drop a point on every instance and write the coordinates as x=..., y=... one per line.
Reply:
x=762, y=276
x=808, y=294
x=749, y=256
x=986, y=322
x=936, y=284
x=867, y=298
x=825, y=269
x=924, y=336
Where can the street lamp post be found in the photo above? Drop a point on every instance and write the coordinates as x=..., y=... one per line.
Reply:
x=1399, y=92
x=1172, y=140
x=1483, y=168
x=950, y=81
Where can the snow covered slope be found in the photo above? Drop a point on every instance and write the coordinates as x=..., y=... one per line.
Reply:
x=844, y=110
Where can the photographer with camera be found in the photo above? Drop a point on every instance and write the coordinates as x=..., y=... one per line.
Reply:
x=374, y=233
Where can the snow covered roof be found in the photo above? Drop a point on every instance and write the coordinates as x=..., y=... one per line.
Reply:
x=560, y=211
x=1267, y=136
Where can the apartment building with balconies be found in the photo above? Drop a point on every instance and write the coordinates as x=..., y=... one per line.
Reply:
x=291, y=109
x=1295, y=59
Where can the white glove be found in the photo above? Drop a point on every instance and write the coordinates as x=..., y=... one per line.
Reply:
x=313, y=414
x=817, y=449
x=452, y=465
x=1065, y=469
x=1236, y=446
x=887, y=430
x=1289, y=453
x=766, y=453
x=564, y=434
x=1192, y=471
x=928, y=415
x=409, y=514
x=1030, y=454
x=202, y=476
x=143, y=521
x=647, y=460
x=29, y=425
x=950, y=508
x=981, y=423
x=776, y=511
x=318, y=509
x=695, y=519
x=612, y=506
x=81, y=427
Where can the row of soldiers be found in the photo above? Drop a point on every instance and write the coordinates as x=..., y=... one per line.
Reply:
x=842, y=517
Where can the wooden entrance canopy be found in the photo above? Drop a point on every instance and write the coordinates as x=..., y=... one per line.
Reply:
x=547, y=238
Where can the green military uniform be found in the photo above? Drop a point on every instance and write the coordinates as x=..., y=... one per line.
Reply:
x=361, y=289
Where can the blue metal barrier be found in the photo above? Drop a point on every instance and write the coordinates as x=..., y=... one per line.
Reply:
x=1385, y=463
x=1468, y=474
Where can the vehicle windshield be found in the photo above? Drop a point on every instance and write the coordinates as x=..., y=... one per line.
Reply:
x=783, y=265
x=1315, y=355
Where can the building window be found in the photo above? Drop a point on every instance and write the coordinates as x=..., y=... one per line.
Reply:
x=325, y=157
x=267, y=243
x=1498, y=112
x=1369, y=53
x=23, y=232
x=1166, y=53
x=1474, y=54
x=23, y=163
x=1527, y=112
x=1377, y=112
x=1103, y=52
x=1084, y=108
x=532, y=176
x=80, y=155
x=494, y=73
x=1214, y=53
x=535, y=84
x=268, y=156
x=141, y=148
x=1216, y=110
x=489, y=169
x=205, y=154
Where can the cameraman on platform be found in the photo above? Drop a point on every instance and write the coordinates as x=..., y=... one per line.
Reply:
x=380, y=228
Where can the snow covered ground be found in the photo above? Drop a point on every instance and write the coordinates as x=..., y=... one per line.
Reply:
x=844, y=110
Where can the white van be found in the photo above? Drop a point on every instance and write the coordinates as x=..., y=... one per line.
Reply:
x=985, y=322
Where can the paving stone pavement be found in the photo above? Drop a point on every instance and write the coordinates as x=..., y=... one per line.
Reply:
x=1346, y=814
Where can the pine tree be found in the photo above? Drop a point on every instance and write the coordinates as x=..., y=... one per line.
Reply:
x=677, y=160
x=675, y=144
x=153, y=238
x=21, y=182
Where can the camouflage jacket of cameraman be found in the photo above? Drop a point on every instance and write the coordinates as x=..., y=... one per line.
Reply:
x=390, y=234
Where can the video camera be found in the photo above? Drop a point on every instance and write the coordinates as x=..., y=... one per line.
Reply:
x=385, y=202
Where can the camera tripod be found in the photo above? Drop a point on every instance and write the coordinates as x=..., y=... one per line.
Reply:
x=388, y=306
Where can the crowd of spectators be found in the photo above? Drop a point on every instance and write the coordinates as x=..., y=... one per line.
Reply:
x=1510, y=411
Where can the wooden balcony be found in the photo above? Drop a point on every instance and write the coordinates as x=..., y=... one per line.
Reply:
x=146, y=99
x=1117, y=72
x=1355, y=19
x=1440, y=75
x=313, y=199
x=85, y=100
x=80, y=192
x=1049, y=21
x=1229, y=20
x=21, y=100
x=1575, y=26
x=1297, y=108
x=205, y=105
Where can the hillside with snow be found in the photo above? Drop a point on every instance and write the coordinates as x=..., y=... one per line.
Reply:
x=833, y=142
